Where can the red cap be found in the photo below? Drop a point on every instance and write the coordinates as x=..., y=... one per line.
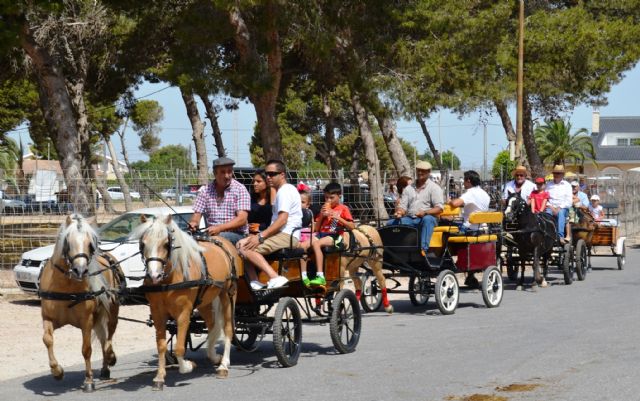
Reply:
x=540, y=180
x=303, y=187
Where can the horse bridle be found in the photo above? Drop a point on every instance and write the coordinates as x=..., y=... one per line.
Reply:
x=164, y=261
x=516, y=211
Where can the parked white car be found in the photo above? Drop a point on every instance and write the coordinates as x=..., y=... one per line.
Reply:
x=171, y=194
x=113, y=239
x=116, y=193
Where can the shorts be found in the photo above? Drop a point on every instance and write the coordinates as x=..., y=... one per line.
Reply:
x=277, y=242
x=338, y=241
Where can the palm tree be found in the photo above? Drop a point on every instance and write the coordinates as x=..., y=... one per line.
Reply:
x=557, y=145
x=9, y=157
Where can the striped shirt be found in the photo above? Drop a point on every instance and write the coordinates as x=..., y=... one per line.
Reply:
x=220, y=211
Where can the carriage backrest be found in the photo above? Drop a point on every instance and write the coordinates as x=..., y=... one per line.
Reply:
x=401, y=244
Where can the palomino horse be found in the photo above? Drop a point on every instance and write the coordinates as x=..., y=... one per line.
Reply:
x=367, y=252
x=181, y=275
x=535, y=235
x=78, y=287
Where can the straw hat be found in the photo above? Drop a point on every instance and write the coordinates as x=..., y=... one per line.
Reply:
x=558, y=168
x=520, y=169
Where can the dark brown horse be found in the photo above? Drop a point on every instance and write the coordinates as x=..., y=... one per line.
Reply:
x=78, y=287
x=534, y=237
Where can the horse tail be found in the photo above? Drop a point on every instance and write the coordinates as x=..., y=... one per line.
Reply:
x=101, y=322
x=218, y=322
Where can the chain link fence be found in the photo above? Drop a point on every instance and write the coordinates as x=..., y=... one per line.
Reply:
x=33, y=207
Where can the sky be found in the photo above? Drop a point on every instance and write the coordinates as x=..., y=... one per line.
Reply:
x=464, y=136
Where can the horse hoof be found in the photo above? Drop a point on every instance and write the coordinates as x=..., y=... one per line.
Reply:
x=388, y=309
x=544, y=283
x=187, y=367
x=518, y=288
x=157, y=386
x=89, y=387
x=105, y=374
x=111, y=361
x=58, y=373
x=222, y=373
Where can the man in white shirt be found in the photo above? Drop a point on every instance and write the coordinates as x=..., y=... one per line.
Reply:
x=287, y=215
x=520, y=184
x=560, y=200
x=474, y=199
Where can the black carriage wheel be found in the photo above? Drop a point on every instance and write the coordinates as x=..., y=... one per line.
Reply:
x=287, y=332
x=345, y=322
x=566, y=265
x=581, y=259
x=419, y=289
x=371, y=298
x=447, y=292
x=245, y=339
x=492, y=288
x=622, y=258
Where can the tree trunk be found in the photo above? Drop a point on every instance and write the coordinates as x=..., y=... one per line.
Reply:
x=102, y=188
x=437, y=158
x=330, y=138
x=76, y=90
x=373, y=165
x=535, y=163
x=197, y=130
x=388, y=129
x=125, y=155
x=116, y=170
x=264, y=101
x=60, y=118
x=501, y=107
x=212, y=114
x=355, y=160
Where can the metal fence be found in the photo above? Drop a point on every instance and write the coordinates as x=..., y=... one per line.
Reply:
x=33, y=208
x=620, y=197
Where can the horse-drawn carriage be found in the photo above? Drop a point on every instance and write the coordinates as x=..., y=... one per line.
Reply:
x=590, y=234
x=530, y=237
x=450, y=252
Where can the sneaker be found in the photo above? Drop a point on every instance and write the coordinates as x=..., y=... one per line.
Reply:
x=306, y=281
x=277, y=282
x=256, y=285
x=318, y=280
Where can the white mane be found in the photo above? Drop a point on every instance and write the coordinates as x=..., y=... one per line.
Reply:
x=185, y=248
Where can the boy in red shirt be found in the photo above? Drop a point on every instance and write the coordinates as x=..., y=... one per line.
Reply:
x=539, y=197
x=334, y=217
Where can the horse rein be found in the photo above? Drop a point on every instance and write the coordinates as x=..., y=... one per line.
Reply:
x=163, y=261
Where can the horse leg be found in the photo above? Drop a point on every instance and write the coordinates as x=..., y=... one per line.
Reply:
x=47, y=339
x=183, y=320
x=89, y=386
x=226, y=314
x=160, y=324
x=382, y=282
x=520, y=284
x=536, y=266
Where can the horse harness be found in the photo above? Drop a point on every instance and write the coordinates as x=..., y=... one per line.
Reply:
x=202, y=283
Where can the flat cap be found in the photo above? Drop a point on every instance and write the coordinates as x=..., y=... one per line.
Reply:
x=423, y=165
x=223, y=161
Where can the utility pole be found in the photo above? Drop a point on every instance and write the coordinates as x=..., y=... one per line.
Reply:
x=484, y=161
x=520, y=90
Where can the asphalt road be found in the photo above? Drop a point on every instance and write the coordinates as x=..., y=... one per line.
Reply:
x=574, y=342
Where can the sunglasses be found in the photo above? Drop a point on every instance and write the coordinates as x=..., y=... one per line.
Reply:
x=272, y=173
x=520, y=175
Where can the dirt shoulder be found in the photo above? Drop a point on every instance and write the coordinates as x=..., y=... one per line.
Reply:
x=25, y=354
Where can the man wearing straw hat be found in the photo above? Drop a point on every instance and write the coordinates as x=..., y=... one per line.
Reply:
x=420, y=207
x=560, y=200
x=520, y=184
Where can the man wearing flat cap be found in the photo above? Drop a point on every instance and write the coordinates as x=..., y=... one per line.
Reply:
x=420, y=207
x=560, y=200
x=520, y=184
x=225, y=203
